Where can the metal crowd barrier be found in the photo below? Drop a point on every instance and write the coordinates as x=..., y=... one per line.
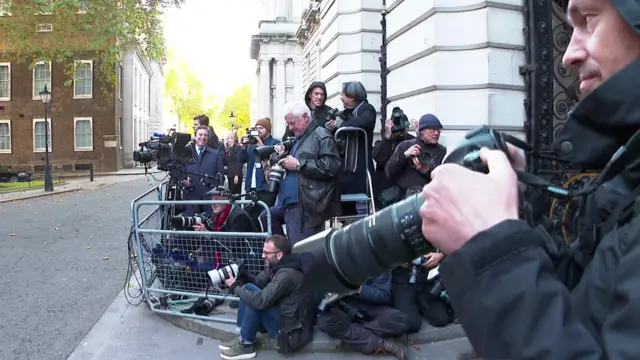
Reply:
x=174, y=264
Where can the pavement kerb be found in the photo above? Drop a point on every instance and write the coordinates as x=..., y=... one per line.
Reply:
x=321, y=342
x=43, y=194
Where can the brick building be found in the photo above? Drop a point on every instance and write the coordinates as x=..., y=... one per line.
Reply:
x=87, y=119
x=84, y=122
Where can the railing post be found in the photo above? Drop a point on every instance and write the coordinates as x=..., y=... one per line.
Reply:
x=91, y=172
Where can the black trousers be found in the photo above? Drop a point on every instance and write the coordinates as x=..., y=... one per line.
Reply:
x=364, y=336
x=415, y=301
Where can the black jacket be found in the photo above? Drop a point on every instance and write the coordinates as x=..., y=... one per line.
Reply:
x=503, y=282
x=354, y=179
x=382, y=152
x=319, y=114
x=239, y=221
x=234, y=159
x=318, y=176
x=283, y=288
x=402, y=171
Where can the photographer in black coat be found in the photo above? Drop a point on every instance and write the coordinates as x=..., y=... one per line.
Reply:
x=360, y=114
x=392, y=136
x=414, y=160
x=501, y=274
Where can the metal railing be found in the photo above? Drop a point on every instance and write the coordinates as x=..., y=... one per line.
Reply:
x=174, y=264
x=34, y=182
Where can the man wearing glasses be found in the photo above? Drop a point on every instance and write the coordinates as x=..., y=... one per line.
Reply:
x=413, y=160
x=276, y=301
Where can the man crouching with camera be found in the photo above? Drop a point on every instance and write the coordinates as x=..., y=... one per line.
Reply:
x=275, y=300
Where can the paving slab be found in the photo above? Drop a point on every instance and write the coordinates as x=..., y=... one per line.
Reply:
x=321, y=342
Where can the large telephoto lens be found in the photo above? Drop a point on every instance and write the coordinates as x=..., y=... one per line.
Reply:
x=341, y=260
x=184, y=221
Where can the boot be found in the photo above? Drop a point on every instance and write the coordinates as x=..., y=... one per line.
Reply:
x=388, y=347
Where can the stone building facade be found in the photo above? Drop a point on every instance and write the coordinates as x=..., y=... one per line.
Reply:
x=458, y=59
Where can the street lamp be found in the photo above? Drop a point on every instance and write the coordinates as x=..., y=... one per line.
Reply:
x=45, y=96
x=232, y=118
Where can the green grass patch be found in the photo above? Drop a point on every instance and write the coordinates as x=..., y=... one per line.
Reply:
x=25, y=185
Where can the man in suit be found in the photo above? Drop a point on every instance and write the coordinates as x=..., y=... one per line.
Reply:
x=206, y=160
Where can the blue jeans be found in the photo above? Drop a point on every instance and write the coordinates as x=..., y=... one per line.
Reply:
x=249, y=320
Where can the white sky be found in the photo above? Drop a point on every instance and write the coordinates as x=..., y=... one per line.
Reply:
x=214, y=37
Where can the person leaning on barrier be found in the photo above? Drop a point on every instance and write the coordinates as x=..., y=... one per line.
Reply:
x=308, y=195
x=227, y=217
x=360, y=114
x=500, y=272
x=276, y=300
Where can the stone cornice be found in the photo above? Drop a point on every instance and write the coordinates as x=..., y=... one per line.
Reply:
x=310, y=21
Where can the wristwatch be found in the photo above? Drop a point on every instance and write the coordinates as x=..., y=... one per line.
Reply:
x=298, y=167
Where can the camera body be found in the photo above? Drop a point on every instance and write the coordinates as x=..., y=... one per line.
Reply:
x=253, y=134
x=277, y=171
x=185, y=222
x=165, y=150
x=333, y=114
x=399, y=119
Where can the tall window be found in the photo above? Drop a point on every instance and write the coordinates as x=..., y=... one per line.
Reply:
x=39, y=139
x=83, y=81
x=5, y=7
x=41, y=77
x=5, y=81
x=120, y=81
x=83, y=133
x=5, y=136
x=135, y=86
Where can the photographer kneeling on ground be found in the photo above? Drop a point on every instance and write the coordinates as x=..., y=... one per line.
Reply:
x=276, y=300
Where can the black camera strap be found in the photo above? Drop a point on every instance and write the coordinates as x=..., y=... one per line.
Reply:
x=618, y=162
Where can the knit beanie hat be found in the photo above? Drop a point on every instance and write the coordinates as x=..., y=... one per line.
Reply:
x=429, y=121
x=630, y=11
x=265, y=123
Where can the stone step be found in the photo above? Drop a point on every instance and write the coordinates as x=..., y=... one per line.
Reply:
x=321, y=342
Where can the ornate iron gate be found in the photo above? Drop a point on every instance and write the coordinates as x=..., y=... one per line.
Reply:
x=552, y=91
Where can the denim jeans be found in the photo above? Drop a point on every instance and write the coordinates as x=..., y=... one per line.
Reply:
x=249, y=320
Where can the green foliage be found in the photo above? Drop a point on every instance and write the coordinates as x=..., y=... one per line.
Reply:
x=98, y=30
x=184, y=92
x=238, y=103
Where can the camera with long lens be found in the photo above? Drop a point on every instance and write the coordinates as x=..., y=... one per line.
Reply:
x=343, y=259
x=224, y=273
x=252, y=135
x=437, y=290
x=277, y=171
x=188, y=221
x=333, y=114
x=415, y=266
x=399, y=119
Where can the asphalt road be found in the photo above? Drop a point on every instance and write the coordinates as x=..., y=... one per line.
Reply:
x=62, y=263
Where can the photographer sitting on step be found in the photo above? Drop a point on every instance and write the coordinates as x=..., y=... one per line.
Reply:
x=276, y=300
x=363, y=320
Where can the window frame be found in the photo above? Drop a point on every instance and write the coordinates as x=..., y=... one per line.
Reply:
x=6, y=12
x=8, y=64
x=33, y=135
x=75, y=68
x=40, y=28
x=36, y=95
x=75, y=123
x=10, y=150
x=83, y=7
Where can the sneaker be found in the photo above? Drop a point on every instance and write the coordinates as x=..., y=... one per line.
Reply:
x=227, y=344
x=391, y=348
x=238, y=351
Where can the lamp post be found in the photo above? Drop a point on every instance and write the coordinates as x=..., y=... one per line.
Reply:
x=45, y=96
x=232, y=119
